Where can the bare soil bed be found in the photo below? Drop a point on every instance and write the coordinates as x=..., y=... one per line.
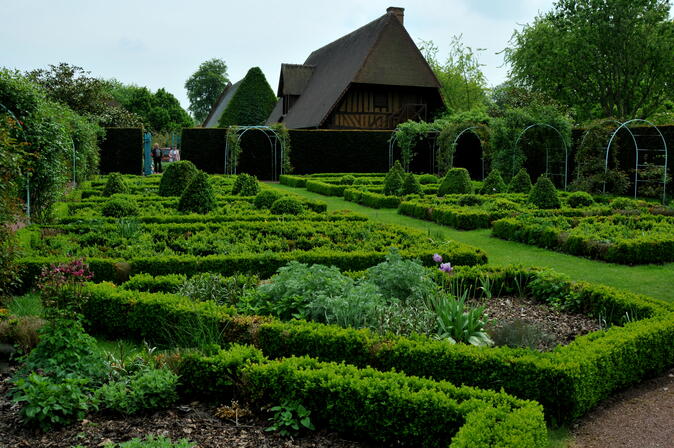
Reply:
x=546, y=327
x=195, y=422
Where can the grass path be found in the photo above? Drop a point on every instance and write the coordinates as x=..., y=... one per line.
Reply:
x=654, y=280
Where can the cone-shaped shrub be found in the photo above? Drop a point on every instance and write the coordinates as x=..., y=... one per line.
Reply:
x=521, y=183
x=115, y=185
x=246, y=185
x=176, y=178
x=393, y=182
x=456, y=181
x=198, y=197
x=544, y=194
x=493, y=183
x=412, y=185
x=266, y=198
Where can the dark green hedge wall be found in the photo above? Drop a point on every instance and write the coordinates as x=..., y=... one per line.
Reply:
x=205, y=148
x=122, y=151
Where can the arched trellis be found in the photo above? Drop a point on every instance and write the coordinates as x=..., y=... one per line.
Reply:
x=470, y=129
x=638, y=151
x=587, y=132
x=561, y=137
x=275, y=142
x=5, y=108
x=394, y=139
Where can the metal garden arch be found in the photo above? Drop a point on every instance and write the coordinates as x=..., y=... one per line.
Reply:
x=470, y=129
x=641, y=151
x=561, y=137
x=275, y=142
x=394, y=139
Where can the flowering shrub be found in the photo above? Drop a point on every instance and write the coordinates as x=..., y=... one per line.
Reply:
x=62, y=287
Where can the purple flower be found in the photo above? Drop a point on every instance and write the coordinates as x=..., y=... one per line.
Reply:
x=446, y=267
x=437, y=258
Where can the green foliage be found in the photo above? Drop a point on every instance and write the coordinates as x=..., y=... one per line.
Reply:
x=252, y=102
x=411, y=185
x=407, y=135
x=150, y=442
x=205, y=86
x=393, y=183
x=347, y=180
x=245, y=185
x=198, y=197
x=462, y=84
x=404, y=280
x=148, y=389
x=176, y=178
x=544, y=194
x=493, y=183
x=289, y=418
x=624, y=204
x=266, y=198
x=146, y=282
x=580, y=199
x=520, y=183
x=458, y=324
x=590, y=35
x=456, y=181
x=119, y=208
x=222, y=290
x=115, y=185
x=48, y=402
x=286, y=206
x=426, y=179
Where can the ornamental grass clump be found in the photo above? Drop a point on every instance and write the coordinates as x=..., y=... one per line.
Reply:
x=521, y=183
x=493, y=184
x=544, y=194
x=115, y=185
x=176, y=178
x=198, y=197
x=456, y=181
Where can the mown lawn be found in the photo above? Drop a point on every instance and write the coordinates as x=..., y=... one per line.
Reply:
x=653, y=280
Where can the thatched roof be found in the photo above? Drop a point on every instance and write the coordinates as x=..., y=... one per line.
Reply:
x=381, y=52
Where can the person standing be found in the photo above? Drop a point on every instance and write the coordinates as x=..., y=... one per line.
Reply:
x=156, y=157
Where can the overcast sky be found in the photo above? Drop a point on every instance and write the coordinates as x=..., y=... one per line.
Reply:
x=161, y=43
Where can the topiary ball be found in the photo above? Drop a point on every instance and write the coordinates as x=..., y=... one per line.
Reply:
x=266, y=198
x=521, y=183
x=456, y=181
x=119, y=208
x=115, y=185
x=347, y=180
x=198, y=197
x=176, y=178
x=245, y=185
x=286, y=206
x=580, y=199
x=411, y=185
x=544, y=194
x=493, y=184
x=426, y=179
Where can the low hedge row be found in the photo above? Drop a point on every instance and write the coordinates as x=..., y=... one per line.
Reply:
x=293, y=181
x=567, y=382
x=369, y=199
x=463, y=218
x=324, y=188
x=385, y=408
x=616, y=239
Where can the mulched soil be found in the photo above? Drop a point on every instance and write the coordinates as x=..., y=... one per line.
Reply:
x=195, y=422
x=553, y=327
x=640, y=417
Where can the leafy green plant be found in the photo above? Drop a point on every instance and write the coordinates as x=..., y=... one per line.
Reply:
x=580, y=199
x=286, y=206
x=520, y=183
x=493, y=183
x=245, y=185
x=456, y=181
x=48, y=402
x=426, y=179
x=266, y=198
x=119, y=208
x=222, y=290
x=61, y=288
x=115, y=185
x=198, y=197
x=176, y=178
x=149, y=442
x=544, y=194
x=289, y=418
x=456, y=323
x=129, y=228
x=393, y=182
x=470, y=200
x=347, y=180
x=145, y=390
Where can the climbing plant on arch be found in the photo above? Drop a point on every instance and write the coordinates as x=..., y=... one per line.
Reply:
x=451, y=134
x=279, y=144
x=407, y=135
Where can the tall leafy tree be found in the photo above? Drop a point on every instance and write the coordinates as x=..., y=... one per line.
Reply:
x=603, y=57
x=462, y=84
x=205, y=86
